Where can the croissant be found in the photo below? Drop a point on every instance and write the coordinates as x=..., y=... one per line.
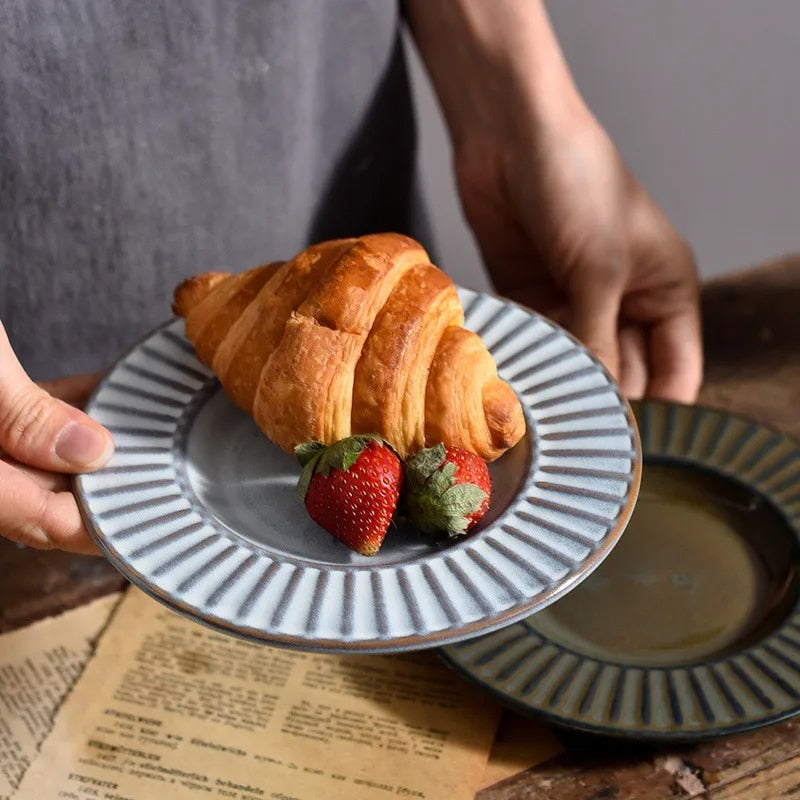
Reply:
x=359, y=335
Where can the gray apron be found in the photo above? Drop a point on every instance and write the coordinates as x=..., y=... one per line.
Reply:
x=141, y=142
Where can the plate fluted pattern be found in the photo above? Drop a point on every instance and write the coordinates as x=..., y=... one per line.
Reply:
x=756, y=685
x=160, y=514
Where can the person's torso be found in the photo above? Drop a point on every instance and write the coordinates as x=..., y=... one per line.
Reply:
x=144, y=142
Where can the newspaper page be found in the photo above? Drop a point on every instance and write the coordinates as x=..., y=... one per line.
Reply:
x=520, y=743
x=38, y=666
x=170, y=708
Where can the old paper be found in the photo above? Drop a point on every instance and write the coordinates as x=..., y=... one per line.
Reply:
x=169, y=708
x=38, y=666
x=520, y=743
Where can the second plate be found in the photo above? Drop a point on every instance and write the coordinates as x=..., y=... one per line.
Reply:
x=691, y=628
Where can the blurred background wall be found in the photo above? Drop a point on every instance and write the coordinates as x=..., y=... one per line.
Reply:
x=703, y=100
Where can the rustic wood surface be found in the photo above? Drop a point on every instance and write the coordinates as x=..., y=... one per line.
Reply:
x=752, y=343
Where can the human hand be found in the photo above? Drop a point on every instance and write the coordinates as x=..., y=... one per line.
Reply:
x=44, y=439
x=562, y=224
x=564, y=228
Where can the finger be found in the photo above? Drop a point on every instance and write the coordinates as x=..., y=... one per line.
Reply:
x=42, y=431
x=676, y=358
x=632, y=362
x=75, y=389
x=37, y=518
x=594, y=316
x=50, y=481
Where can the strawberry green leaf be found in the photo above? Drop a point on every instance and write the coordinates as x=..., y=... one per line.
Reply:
x=307, y=473
x=305, y=452
x=466, y=498
x=316, y=457
x=344, y=453
x=440, y=506
x=429, y=459
x=441, y=480
x=452, y=524
x=423, y=464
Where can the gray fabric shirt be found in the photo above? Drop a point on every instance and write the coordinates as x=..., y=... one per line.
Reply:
x=141, y=142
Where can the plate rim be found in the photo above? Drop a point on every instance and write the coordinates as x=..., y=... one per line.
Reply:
x=415, y=641
x=651, y=734
x=641, y=735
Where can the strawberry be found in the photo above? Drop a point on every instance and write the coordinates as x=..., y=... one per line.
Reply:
x=447, y=489
x=351, y=489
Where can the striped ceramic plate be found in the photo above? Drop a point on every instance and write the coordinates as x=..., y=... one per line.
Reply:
x=199, y=510
x=691, y=628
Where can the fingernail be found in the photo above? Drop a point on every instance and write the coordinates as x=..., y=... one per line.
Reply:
x=36, y=538
x=83, y=446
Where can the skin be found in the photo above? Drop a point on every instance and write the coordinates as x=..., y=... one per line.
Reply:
x=37, y=507
x=562, y=224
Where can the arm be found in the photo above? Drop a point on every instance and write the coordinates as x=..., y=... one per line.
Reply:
x=562, y=224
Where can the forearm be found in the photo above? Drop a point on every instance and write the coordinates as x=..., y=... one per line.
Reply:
x=487, y=60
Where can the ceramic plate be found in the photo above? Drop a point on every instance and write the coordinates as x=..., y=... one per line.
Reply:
x=199, y=509
x=691, y=628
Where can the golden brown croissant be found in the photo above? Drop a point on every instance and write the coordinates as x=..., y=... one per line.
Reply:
x=352, y=336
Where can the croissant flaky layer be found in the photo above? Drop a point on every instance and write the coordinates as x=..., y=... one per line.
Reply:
x=352, y=336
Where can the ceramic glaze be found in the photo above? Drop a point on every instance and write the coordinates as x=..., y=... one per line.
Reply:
x=199, y=509
x=691, y=628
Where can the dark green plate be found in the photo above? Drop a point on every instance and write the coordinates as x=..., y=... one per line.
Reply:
x=691, y=627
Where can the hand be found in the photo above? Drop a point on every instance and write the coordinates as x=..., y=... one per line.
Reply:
x=44, y=439
x=562, y=224
x=565, y=229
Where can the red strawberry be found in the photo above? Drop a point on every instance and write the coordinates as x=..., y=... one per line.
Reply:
x=351, y=489
x=447, y=489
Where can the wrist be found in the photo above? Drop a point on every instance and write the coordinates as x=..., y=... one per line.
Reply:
x=493, y=66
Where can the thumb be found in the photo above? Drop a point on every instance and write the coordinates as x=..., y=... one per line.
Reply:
x=594, y=320
x=41, y=431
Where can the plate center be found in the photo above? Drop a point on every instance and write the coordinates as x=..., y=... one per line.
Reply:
x=248, y=485
x=705, y=567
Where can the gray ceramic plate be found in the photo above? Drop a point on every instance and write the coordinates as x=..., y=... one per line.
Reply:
x=691, y=628
x=198, y=509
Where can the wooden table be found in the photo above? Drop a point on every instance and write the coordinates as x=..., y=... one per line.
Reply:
x=752, y=335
